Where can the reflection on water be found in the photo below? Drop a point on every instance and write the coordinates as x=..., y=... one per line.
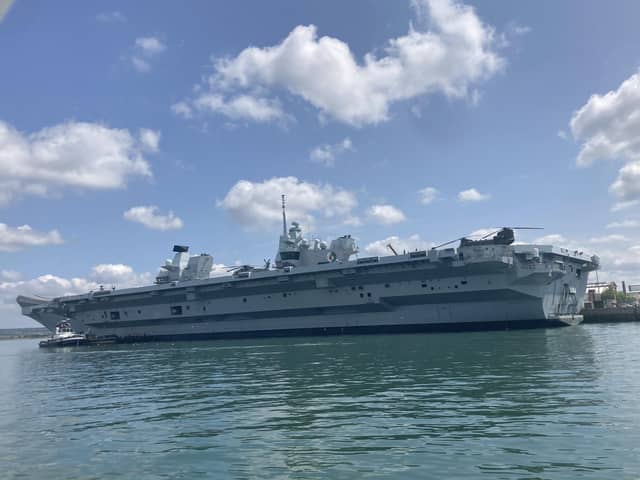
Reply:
x=559, y=403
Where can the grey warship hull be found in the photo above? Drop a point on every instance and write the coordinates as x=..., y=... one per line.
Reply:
x=470, y=288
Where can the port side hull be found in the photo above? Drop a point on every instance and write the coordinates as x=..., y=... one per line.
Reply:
x=521, y=313
x=350, y=330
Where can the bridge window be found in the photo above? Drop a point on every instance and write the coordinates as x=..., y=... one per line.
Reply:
x=290, y=255
x=176, y=310
x=115, y=315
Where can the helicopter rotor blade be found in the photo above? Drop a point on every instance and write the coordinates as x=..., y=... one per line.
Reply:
x=511, y=228
x=490, y=234
x=493, y=232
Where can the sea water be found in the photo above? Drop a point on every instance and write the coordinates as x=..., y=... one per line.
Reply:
x=558, y=403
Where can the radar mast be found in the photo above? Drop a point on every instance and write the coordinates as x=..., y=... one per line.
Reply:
x=284, y=218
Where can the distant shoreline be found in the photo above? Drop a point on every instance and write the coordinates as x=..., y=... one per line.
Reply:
x=23, y=333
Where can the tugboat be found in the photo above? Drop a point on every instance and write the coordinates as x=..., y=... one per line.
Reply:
x=64, y=336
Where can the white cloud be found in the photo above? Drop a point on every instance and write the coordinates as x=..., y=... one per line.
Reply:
x=119, y=275
x=352, y=221
x=609, y=239
x=428, y=195
x=609, y=128
x=625, y=224
x=5, y=6
x=182, y=109
x=483, y=232
x=609, y=125
x=624, y=205
x=150, y=218
x=219, y=270
x=627, y=185
x=562, y=134
x=472, y=195
x=50, y=286
x=517, y=29
x=150, y=45
x=410, y=244
x=10, y=275
x=475, y=97
x=143, y=66
x=386, y=214
x=47, y=286
x=552, y=239
x=149, y=139
x=13, y=239
x=72, y=154
x=241, y=107
x=620, y=264
x=145, y=48
x=111, y=17
x=458, y=50
x=257, y=205
x=326, y=154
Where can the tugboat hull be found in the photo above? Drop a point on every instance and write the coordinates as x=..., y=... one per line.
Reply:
x=64, y=342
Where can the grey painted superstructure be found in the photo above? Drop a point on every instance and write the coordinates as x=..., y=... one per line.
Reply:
x=316, y=288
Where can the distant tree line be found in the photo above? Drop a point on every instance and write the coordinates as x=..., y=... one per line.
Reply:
x=611, y=293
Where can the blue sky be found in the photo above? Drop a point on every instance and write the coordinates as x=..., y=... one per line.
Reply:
x=352, y=108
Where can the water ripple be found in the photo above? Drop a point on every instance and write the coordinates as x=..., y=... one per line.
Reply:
x=531, y=404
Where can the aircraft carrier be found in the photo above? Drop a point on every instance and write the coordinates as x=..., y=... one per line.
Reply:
x=317, y=288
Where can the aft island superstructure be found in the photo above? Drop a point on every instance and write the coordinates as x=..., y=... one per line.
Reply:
x=319, y=288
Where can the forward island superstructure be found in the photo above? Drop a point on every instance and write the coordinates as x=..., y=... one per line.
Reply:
x=319, y=288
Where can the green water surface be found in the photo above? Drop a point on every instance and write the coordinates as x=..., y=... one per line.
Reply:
x=535, y=404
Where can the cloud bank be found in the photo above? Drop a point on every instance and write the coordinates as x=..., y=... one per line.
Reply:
x=257, y=205
x=456, y=52
x=14, y=239
x=88, y=156
x=150, y=218
x=608, y=127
